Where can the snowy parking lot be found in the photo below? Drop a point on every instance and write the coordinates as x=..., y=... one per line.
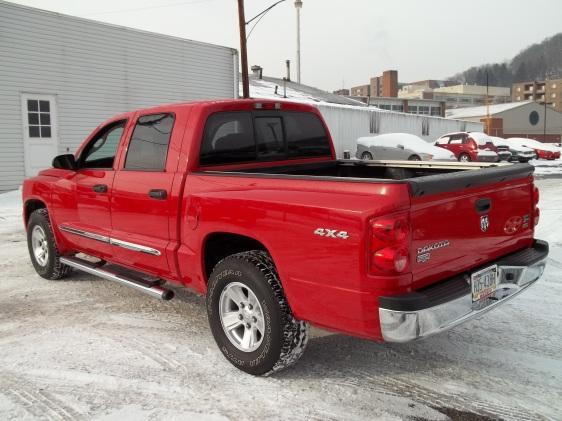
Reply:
x=84, y=348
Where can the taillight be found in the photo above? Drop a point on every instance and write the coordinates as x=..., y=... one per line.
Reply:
x=536, y=210
x=389, y=244
x=536, y=195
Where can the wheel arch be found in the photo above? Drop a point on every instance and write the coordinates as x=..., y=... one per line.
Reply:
x=218, y=245
x=30, y=206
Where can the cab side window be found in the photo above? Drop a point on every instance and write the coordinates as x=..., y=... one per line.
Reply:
x=148, y=149
x=100, y=152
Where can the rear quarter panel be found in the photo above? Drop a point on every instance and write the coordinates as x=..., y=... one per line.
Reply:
x=324, y=278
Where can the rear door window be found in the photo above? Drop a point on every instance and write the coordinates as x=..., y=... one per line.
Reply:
x=148, y=148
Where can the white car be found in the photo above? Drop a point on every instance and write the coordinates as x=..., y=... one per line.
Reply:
x=400, y=146
x=518, y=152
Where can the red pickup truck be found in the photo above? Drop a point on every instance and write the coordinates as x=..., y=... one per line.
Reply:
x=245, y=201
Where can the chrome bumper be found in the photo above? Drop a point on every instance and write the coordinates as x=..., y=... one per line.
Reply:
x=420, y=314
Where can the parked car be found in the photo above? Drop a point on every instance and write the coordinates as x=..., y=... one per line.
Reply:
x=245, y=202
x=486, y=142
x=543, y=150
x=466, y=148
x=401, y=146
x=518, y=153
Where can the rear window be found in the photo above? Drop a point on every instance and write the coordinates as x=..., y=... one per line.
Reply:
x=237, y=137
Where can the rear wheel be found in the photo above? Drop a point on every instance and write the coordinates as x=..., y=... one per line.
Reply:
x=366, y=156
x=464, y=157
x=42, y=248
x=249, y=315
x=414, y=158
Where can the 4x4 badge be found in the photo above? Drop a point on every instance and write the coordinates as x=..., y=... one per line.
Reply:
x=484, y=223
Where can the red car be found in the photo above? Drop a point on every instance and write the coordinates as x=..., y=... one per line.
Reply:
x=543, y=150
x=468, y=147
x=244, y=201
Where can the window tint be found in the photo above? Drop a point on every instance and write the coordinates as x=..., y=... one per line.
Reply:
x=100, y=152
x=229, y=138
x=234, y=137
x=148, y=148
x=269, y=137
x=306, y=135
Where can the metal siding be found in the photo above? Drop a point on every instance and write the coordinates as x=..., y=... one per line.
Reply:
x=347, y=124
x=95, y=70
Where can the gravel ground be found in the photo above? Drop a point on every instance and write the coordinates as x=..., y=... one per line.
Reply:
x=85, y=348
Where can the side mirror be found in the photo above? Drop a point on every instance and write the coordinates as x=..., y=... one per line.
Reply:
x=65, y=162
x=400, y=146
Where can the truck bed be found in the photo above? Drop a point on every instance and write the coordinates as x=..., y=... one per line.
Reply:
x=424, y=178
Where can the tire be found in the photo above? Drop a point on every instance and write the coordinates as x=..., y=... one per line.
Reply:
x=284, y=338
x=464, y=157
x=366, y=156
x=42, y=247
x=414, y=158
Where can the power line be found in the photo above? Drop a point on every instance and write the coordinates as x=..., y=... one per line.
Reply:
x=148, y=7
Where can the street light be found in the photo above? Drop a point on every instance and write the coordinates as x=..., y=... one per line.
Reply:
x=298, y=7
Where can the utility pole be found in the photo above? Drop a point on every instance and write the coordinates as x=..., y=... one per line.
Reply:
x=544, y=122
x=243, y=50
x=298, y=6
x=488, y=129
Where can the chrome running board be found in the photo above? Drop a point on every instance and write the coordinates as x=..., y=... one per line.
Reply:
x=112, y=273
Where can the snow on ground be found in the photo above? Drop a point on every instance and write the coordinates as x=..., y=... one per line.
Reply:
x=85, y=348
x=544, y=167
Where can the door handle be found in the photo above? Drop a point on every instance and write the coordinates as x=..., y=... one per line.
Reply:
x=158, y=194
x=100, y=188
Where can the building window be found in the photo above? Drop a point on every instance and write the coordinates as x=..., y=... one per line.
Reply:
x=148, y=148
x=435, y=110
x=519, y=89
x=554, y=86
x=553, y=95
x=518, y=98
x=534, y=118
x=39, y=118
x=413, y=109
x=397, y=108
x=423, y=109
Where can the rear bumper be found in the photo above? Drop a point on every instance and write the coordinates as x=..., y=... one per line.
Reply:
x=437, y=308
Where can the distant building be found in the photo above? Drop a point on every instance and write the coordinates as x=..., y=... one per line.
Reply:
x=539, y=91
x=410, y=106
x=515, y=119
x=379, y=86
x=456, y=96
x=343, y=91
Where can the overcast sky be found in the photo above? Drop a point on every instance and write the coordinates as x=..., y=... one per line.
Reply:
x=345, y=42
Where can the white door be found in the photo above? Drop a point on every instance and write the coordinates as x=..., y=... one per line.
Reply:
x=39, y=116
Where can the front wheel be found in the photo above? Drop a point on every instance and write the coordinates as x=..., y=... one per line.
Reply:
x=414, y=158
x=42, y=247
x=464, y=157
x=366, y=156
x=249, y=315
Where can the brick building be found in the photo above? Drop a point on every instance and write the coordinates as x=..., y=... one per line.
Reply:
x=539, y=91
x=385, y=85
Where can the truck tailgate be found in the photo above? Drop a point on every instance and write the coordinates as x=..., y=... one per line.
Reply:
x=462, y=227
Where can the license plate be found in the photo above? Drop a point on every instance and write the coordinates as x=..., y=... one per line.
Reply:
x=484, y=282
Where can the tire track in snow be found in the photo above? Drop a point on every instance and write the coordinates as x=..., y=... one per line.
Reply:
x=34, y=400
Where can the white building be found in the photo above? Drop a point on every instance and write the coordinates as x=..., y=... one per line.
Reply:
x=61, y=76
